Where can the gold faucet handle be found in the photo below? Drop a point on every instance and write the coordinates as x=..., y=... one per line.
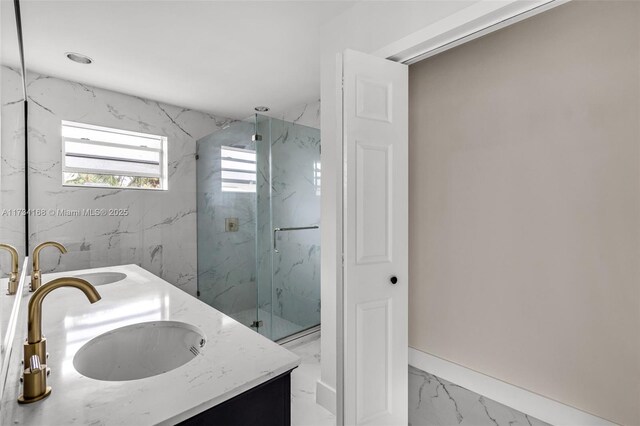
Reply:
x=35, y=382
x=34, y=363
x=36, y=280
x=12, y=285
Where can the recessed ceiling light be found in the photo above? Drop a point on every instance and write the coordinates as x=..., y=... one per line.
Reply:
x=79, y=58
x=261, y=108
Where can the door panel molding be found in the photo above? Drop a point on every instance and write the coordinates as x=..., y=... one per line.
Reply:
x=373, y=375
x=374, y=164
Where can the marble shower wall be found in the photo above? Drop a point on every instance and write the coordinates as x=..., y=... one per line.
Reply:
x=226, y=260
x=12, y=129
x=436, y=402
x=305, y=115
x=159, y=232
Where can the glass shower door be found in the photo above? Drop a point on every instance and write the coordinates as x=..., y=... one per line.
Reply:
x=226, y=221
x=264, y=274
x=258, y=212
x=289, y=274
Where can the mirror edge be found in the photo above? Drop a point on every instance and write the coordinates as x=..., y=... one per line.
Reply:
x=10, y=333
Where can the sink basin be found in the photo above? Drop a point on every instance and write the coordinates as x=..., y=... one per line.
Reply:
x=102, y=278
x=138, y=351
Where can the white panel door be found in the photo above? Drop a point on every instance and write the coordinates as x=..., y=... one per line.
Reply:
x=375, y=143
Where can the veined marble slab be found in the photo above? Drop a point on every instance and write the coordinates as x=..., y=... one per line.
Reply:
x=436, y=402
x=306, y=114
x=159, y=230
x=12, y=135
x=233, y=360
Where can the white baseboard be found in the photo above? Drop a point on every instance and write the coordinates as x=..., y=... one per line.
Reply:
x=326, y=396
x=527, y=402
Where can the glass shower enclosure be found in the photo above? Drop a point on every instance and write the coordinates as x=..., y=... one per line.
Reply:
x=258, y=215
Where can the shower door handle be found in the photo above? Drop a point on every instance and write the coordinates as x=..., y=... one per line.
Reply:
x=276, y=230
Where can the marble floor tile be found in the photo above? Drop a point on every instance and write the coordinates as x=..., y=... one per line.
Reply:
x=304, y=410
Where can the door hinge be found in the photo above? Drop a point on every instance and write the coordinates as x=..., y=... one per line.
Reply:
x=256, y=324
x=197, y=157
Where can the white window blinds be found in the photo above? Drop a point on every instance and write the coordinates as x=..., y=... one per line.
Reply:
x=101, y=156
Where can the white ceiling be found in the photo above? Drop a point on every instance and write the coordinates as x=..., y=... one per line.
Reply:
x=223, y=57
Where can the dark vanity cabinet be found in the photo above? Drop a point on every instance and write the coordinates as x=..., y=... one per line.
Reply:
x=268, y=404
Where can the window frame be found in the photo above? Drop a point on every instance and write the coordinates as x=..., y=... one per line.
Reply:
x=163, y=151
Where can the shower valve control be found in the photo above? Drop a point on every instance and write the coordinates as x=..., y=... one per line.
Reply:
x=231, y=224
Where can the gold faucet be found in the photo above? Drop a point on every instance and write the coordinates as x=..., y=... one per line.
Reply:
x=36, y=276
x=35, y=348
x=12, y=285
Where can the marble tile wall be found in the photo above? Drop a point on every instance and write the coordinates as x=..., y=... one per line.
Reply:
x=159, y=232
x=12, y=128
x=436, y=402
x=305, y=114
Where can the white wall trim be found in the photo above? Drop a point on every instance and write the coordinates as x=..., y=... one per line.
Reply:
x=530, y=403
x=472, y=22
x=326, y=396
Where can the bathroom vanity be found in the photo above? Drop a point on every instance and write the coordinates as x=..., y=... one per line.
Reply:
x=107, y=359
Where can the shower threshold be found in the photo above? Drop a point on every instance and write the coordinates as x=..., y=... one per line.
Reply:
x=301, y=337
x=281, y=326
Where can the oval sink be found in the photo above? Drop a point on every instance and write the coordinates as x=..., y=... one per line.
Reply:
x=139, y=350
x=102, y=278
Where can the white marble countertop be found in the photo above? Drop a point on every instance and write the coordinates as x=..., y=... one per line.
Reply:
x=234, y=359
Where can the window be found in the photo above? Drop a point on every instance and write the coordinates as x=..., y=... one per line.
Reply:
x=238, y=169
x=103, y=157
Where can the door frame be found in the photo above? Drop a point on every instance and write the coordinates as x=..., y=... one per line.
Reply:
x=473, y=22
